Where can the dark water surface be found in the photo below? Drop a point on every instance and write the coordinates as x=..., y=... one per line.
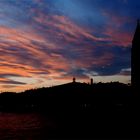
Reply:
x=30, y=126
x=37, y=126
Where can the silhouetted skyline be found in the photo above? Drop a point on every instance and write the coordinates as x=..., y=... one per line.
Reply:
x=47, y=42
x=80, y=110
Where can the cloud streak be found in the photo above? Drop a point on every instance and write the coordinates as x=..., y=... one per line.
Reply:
x=46, y=45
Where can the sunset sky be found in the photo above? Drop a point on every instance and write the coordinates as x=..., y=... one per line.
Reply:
x=47, y=42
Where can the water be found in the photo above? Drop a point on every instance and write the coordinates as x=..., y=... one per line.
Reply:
x=31, y=126
x=35, y=126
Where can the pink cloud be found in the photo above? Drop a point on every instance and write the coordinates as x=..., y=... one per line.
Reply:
x=118, y=38
x=37, y=54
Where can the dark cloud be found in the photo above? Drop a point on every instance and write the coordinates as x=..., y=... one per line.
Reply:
x=58, y=39
x=121, y=60
x=12, y=82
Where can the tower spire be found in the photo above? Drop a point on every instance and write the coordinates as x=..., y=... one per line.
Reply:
x=137, y=32
x=135, y=74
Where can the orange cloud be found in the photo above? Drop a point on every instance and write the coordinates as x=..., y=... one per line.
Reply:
x=49, y=52
x=23, y=56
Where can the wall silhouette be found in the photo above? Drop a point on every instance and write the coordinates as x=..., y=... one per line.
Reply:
x=135, y=58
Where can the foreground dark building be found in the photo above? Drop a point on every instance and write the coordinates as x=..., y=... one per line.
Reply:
x=135, y=57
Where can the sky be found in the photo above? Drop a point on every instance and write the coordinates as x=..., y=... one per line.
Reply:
x=48, y=42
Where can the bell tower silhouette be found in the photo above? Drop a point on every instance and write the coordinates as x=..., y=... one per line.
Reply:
x=135, y=62
x=74, y=80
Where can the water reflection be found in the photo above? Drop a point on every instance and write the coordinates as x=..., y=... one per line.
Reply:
x=25, y=126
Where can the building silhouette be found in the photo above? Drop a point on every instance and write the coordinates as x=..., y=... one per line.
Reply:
x=91, y=81
x=135, y=62
x=74, y=79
